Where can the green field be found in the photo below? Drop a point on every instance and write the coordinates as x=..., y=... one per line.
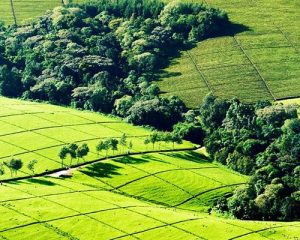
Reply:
x=130, y=198
x=260, y=61
x=38, y=131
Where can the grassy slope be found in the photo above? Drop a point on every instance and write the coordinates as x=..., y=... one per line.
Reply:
x=38, y=131
x=261, y=62
x=94, y=205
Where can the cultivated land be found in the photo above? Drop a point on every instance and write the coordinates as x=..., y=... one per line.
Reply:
x=130, y=198
x=260, y=60
x=159, y=195
x=38, y=131
x=152, y=196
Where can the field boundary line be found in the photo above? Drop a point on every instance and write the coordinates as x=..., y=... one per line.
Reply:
x=139, y=213
x=248, y=229
x=54, y=194
x=210, y=190
x=147, y=216
x=255, y=67
x=70, y=216
x=71, y=209
x=286, y=37
x=48, y=226
x=288, y=98
x=162, y=226
x=162, y=179
x=42, y=128
x=199, y=71
x=152, y=174
x=262, y=230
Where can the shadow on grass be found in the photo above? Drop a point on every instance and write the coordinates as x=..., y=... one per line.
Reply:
x=131, y=160
x=235, y=28
x=189, y=156
x=41, y=182
x=101, y=170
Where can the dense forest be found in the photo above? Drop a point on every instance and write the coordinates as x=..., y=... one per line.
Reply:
x=261, y=140
x=104, y=55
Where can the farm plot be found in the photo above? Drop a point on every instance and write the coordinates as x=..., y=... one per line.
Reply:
x=38, y=131
x=259, y=61
x=175, y=179
x=91, y=206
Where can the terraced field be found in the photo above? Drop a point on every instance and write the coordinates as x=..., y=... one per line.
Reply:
x=141, y=197
x=38, y=131
x=259, y=61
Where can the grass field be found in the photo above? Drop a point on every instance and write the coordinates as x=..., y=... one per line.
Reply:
x=260, y=61
x=37, y=131
x=130, y=198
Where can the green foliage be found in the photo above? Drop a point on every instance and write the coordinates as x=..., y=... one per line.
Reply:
x=74, y=151
x=261, y=140
x=157, y=112
x=14, y=165
x=82, y=151
x=31, y=165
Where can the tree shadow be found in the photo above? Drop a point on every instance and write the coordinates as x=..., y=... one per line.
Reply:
x=190, y=156
x=41, y=181
x=150, y=157
x=101, y=170
x=233, y=29
x=131, y=160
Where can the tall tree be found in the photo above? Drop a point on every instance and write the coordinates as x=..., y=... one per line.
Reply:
x=63, y=154
x=14, y=165
x=123, y=140
x=31, y=165
x=82, y=151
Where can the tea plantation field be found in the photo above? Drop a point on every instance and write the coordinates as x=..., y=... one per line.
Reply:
x=259, y=60
x=151, y=196
x=38, y=131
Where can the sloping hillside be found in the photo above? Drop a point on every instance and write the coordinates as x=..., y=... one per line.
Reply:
x=260, y=60
x=38, y=131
